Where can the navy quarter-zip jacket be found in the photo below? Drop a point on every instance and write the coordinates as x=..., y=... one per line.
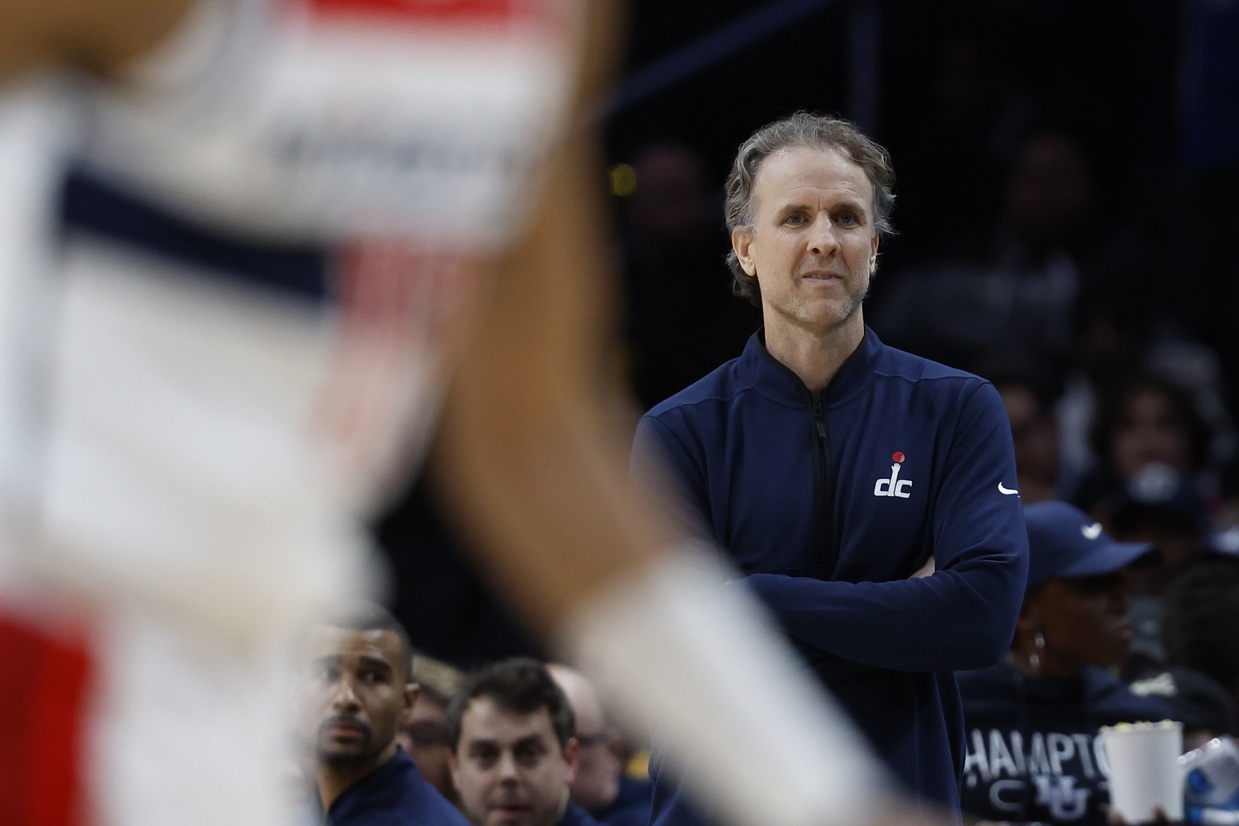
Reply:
x=828, y=502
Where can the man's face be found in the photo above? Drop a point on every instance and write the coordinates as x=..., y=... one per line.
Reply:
x=1149, y=431
x=598, y=770
x=1034, y=433
x=509, y=768
x=426, y=740
x=599, y=766
x=357, y=695
x=813, y=244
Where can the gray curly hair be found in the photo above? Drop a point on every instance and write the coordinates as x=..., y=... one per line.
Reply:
x=815, y=132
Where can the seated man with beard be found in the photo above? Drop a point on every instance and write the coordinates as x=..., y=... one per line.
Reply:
x=357, y=695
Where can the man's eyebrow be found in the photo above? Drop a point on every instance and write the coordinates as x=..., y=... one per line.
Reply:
x=364, y=659
x=792, y=206
x=529, y=740
x=857, y=204
x=844, y=202
x=375, y=662
x=524, y=742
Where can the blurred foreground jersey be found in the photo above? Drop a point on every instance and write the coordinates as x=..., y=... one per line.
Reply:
x=226, y=295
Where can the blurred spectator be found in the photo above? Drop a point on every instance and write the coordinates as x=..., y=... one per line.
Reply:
x=1032, y=721
x=601, y=786
x=1164, y=508
x=356, y=696
x=1200, y=619
x=1147, y=421
x=1119, y=340
x=424, y=735
x=1110, y=337
x=1201, y=703
x=682, y=319
x=1028, y=390
x=1020, y=292
x=513, y=749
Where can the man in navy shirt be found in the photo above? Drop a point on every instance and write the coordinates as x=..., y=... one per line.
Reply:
x=514, y=751
x=868, y=496
x=601, y=786
x=357, y=695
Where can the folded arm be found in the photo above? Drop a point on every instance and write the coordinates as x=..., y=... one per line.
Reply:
x=963, y=615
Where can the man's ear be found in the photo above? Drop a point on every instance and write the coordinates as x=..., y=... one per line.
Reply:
x=873, y=253
x=453, y=767
x=742, y=243
x=411, y=693
x=572, y=756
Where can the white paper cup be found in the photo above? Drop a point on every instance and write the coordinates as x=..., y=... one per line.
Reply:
x=1144, y=769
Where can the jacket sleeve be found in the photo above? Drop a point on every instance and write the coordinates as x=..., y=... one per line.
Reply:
x=963, y=615
x=664, y=458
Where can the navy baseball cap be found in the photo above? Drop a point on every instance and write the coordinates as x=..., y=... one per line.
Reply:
x=1065, y=542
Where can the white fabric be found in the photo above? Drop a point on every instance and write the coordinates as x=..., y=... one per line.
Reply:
x=168, y=458
x=680, y=650
x=373, y=122
x=185, y=730
x=183, y=469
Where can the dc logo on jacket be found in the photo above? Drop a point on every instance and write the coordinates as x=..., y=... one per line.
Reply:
x=894, y=486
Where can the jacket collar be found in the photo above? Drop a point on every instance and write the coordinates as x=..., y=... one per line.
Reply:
x=778, y=382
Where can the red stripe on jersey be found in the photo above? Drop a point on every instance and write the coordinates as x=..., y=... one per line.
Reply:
x=45, y=680
x=456, y=11
x=402, y=309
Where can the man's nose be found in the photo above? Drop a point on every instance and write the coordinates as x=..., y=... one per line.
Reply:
x=822, y=238
x=507, y=767
x=344, y=694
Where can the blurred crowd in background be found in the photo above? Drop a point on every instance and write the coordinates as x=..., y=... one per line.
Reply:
x=1066, y=217
x=1067, y=226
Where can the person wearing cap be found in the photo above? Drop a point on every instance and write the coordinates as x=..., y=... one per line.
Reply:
x=1167, y=508
x=1201, y=615
x=1199, y=701
x=1032, y=721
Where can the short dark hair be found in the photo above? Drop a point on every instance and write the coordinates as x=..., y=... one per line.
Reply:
x=519, y=685
x=370, y=616
x=815, y=132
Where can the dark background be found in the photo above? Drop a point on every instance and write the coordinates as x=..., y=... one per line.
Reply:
x=1150, y=90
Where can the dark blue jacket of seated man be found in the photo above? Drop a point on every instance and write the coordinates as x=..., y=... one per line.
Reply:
x=576, y=816
x=395, y=794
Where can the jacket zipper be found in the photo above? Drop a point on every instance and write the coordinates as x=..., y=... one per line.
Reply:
x=824, y=555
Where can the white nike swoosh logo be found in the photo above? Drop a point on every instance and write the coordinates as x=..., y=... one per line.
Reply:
x=1007, y=491
x=1092, y=531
